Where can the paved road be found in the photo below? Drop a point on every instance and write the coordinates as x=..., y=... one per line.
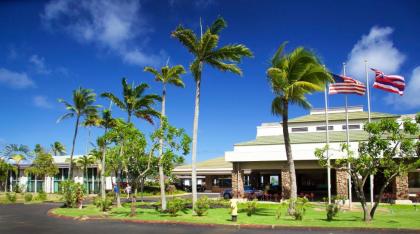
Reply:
x=25, y=219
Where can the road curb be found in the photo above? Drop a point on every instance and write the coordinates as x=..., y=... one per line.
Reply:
x=229, y=226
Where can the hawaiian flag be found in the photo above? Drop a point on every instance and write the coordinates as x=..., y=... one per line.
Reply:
x=346, y=85
x=389, y=83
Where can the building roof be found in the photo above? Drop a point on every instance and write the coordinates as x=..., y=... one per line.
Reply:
x=341, y=116
x=307, y=138
x=214, y=163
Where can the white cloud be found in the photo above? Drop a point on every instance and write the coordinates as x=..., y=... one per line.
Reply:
x=112, y=25
x=410, y=99
x=15, y=80
x=378, y=49
x=39, y=64
x=42, y=102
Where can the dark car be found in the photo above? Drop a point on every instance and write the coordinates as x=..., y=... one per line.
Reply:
x=248, y=192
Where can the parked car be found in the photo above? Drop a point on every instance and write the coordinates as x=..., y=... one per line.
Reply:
x=248, y=191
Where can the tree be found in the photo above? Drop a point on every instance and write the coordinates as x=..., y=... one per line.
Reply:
x=82, y=106
x=17, y=153
x=391, y=148
x=205, y=51
x=291, y=77
x=43, y=165
x=5, y=168
x=84, y=162
x=57, y=148
x=135, y=102
x=167, y=75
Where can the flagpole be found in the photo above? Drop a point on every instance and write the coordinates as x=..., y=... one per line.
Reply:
x=348, y=140
x=327, y=135
x=369, y=119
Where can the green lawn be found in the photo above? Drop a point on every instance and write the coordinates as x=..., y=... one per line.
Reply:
x=20, y=198
x=396, y=216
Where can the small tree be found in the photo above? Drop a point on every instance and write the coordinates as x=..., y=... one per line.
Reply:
x=43, y=165
x=391, y=148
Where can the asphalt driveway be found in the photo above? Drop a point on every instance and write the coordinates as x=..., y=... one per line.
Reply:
x=19, y=218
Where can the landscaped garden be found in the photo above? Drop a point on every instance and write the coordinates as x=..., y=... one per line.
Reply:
x=219, y=212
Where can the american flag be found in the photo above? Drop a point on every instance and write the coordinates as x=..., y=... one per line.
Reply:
x=389, y=83
x=346, y=85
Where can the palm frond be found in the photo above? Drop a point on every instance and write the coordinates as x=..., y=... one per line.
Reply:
x=218, y=25
x=224, y=66
x=187, y=37
x=65, y=116
x=277, y=106
x=114, y=99
x=231, y=53
x=278, y=55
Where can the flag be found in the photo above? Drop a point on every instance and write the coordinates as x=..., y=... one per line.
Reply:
x=389, y=83
x=346, y=85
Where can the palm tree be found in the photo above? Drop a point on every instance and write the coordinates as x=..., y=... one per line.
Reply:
x=84, y=162
x=205, y=51
x=135, y=102
x=82, y=106
x=167, y=75
x=58, y=149
x=292, y=76
x=89, y=122
x=17, y=153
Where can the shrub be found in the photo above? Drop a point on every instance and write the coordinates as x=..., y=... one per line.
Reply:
x=103, y=204
x=332, y=211
x=279, y=209
x=219, y=203
x=299, y=207
x=72, y=193
x=202, y=205
x=251, y=207
x=28, y=197
x=41, y=196
x=17, y=188
x=11, y=197
x=176, y=205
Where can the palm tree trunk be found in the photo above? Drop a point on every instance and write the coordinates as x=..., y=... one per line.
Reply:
x=119, y=180
x=161, y=174
x=194, y=141
x=72, y=147
x=290, y=161
x=103, y=195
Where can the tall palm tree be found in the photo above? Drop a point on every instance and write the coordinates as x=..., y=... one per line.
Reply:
x=206, y=51
x=17, y=153
x=292, y=76
x=135, y=102
x=83, y=106
x=167, y=75
x=57, y=148
x=90, y=121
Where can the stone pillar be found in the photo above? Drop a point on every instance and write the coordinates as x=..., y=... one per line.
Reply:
x=285, y=183
x=237, y=181
x=209, y=182
x=342, y=180
x=401, y=187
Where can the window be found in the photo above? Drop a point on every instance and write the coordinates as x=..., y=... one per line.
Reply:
x=322, y=128
x=223, y=182
x=414, y=180
x=302, y=129
x=274, y=180
x=352, y=126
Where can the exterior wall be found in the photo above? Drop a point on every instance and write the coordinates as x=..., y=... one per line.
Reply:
x=237, y=180
x=342, y=181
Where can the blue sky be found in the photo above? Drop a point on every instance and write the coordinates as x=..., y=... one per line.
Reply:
x=50, y=48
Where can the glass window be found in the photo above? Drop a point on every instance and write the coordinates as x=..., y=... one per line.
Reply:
x=414, y=179
x=352, y=126
x=322, y=128
x=302, y=129
x=274, y=180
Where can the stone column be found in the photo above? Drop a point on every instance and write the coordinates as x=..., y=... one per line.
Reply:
x=237, y=181
x=209, y=182
x=342, y=179
x=285, y=183
x=401, y=187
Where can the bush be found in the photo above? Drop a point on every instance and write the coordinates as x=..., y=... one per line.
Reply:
x=251, y=207
x=11, y=197
x=72, y=193
x=332, y=211
x=299, y=205
x=41, y=196
x=28, y=197
x=17, y=188
x=279, y=210
x=219, y=203
x=176, y=205
x=202, y=205
x=103, y=204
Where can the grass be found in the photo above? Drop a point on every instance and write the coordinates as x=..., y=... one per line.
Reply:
x=401, y=216
x=20, y=198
